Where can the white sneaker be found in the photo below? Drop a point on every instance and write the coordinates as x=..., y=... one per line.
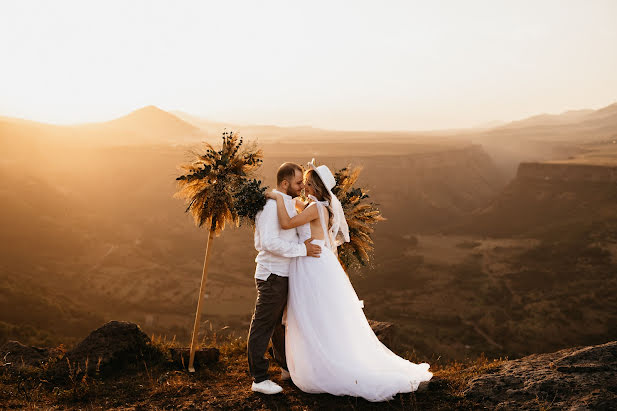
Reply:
x=285, y=375
x=267, y=387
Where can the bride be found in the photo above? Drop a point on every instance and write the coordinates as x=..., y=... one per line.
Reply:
x=330, y=346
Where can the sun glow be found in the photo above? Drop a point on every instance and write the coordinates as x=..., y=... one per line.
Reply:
x=331, y=64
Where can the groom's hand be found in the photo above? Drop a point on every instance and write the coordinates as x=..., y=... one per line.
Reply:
x=312, y=250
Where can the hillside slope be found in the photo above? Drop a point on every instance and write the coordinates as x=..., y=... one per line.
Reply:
x=134, y=371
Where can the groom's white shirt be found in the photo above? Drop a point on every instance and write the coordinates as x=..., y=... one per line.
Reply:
x=275, y=245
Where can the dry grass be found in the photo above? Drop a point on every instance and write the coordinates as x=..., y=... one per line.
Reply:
x=224, y=385
x=459, y=374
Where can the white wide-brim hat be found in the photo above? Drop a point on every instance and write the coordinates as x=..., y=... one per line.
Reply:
x=324, y=174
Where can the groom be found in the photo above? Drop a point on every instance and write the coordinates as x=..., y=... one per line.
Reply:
x=276, y=249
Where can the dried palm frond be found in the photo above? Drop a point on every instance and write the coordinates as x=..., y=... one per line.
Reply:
x=214, y=178
x=361, y=216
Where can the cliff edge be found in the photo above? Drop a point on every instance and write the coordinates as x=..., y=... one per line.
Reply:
x=134, y=372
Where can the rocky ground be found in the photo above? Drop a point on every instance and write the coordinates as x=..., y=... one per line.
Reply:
x=119, y=367
x=574, y=378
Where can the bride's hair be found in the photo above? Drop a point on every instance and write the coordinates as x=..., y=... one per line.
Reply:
x=320, y=192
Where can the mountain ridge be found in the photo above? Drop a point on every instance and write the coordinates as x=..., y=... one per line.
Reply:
x=197, y=121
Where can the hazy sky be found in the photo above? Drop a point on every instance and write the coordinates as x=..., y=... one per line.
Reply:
x=332, y=64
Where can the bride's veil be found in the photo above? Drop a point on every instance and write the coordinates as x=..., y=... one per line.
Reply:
x=340, y=230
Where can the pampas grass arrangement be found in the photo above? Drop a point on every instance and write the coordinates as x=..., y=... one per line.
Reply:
x=215, y=185
x=212, y=181
x=361, y=215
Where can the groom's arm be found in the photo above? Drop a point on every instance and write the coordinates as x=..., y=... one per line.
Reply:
x=269, y=228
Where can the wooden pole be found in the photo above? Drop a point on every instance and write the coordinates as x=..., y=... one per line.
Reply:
x=202, y=288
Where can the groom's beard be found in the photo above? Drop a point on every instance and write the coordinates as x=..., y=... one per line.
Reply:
x=293, y=193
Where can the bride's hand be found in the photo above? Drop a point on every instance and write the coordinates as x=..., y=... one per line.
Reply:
x=271, y=195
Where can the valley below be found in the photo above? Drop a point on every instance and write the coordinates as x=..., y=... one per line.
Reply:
x=475, y=256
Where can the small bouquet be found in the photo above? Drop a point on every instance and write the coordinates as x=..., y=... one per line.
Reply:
x=249, y=199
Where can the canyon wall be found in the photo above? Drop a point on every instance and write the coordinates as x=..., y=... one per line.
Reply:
x=567, y=172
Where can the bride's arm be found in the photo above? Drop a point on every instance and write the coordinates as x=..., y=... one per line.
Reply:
x=286, y=222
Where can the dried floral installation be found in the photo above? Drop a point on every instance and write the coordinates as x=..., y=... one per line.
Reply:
x=361, y=216
x=219, y=187
x=216, y=185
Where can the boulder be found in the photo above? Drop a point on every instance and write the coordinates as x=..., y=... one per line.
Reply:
x=117, y=346
x=385, y=331
x=113, y=347
x=581, y=378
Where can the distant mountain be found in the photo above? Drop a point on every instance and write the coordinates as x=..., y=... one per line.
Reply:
x=567, y=117
x=147, y=125
x=547, y=136
x=603, y=113
x=202, y=123
x=490, y=124
x=575, y=125
x=153, y=119
x=262, y=132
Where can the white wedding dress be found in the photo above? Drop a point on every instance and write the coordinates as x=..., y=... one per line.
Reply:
x=329, y=344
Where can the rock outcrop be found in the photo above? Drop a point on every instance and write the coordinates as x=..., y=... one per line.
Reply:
x=112, y=346
x=117, y=346
x=385, y=331
x=582, y=378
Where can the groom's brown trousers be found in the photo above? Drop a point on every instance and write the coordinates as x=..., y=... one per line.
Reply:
x=266, y=325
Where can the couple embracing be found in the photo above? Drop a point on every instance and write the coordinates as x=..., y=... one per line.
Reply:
x=306, y=304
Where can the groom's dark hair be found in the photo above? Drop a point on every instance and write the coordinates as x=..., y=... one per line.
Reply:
x=287, y=171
